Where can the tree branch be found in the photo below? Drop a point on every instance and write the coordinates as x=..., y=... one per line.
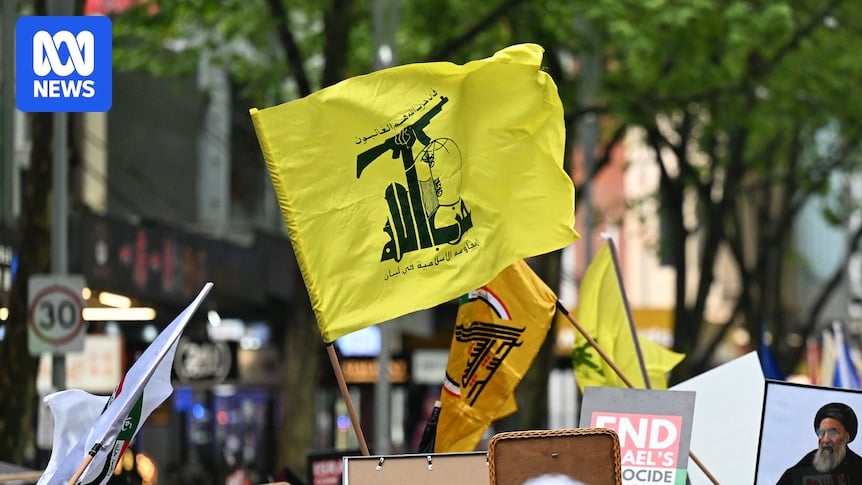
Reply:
x=291, y=48
x=337, y=22
x=448, y=48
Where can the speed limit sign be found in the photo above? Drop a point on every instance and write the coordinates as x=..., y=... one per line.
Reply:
x=54, y=321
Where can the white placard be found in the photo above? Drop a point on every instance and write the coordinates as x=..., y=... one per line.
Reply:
x=726, y=426
x=97, y=369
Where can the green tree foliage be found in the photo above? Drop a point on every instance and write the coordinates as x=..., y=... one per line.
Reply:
x=735, y=98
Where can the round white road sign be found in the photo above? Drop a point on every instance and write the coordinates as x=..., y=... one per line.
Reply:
x=54, y=320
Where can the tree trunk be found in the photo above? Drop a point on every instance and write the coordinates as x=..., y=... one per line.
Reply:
x=302, y=354
x=532, y=392
x=17, y=367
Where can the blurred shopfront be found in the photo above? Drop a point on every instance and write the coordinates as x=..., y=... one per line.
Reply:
x=224, y=414
x=221, y=418
x=8, y=265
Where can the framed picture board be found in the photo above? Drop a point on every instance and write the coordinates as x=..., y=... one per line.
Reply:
x=416, y=469
x=787, y=431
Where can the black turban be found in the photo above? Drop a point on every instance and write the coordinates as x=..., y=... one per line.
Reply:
x=839, y=412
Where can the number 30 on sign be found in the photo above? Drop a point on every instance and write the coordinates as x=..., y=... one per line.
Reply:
x=54, y=319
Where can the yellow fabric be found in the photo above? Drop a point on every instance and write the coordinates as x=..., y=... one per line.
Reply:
x=498, y=332
x=464, y=427
x=602, y=314
x=379, y=231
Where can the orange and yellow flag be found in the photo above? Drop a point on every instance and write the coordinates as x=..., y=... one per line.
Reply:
x=410, y=186
x=498, y=332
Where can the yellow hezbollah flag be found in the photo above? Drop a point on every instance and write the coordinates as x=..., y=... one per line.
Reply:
x=602, y=314
x=407, y=187
x=499, y=330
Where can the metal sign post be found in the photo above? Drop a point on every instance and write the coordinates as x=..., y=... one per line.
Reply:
x=59, y=202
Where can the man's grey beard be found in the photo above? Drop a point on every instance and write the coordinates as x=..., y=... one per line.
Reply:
x=828, y=458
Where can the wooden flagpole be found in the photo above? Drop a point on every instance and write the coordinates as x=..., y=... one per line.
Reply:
x=87, y=460
x=623, y=377
x=345, y=394
x=595, y=344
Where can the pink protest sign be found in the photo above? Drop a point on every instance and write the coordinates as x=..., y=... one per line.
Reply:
x=654, y=429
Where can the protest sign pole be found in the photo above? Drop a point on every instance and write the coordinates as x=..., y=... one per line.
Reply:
x=345, y=394
x=702, y=467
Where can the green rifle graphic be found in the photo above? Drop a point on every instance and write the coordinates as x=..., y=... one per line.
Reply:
x=411, y=223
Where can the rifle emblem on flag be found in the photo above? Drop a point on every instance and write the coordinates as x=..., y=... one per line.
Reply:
x=418, y=214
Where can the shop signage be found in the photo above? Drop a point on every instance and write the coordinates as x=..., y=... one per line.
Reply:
x=165, y=264
x=98, y=369
x=8, y=262
x=365, y=371
x=429, y=365
x=204, y=361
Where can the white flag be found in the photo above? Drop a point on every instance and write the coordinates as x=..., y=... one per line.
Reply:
x=145, y=386
x=74, y=413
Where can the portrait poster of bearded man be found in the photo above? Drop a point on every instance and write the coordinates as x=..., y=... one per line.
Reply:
x=808, y=434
